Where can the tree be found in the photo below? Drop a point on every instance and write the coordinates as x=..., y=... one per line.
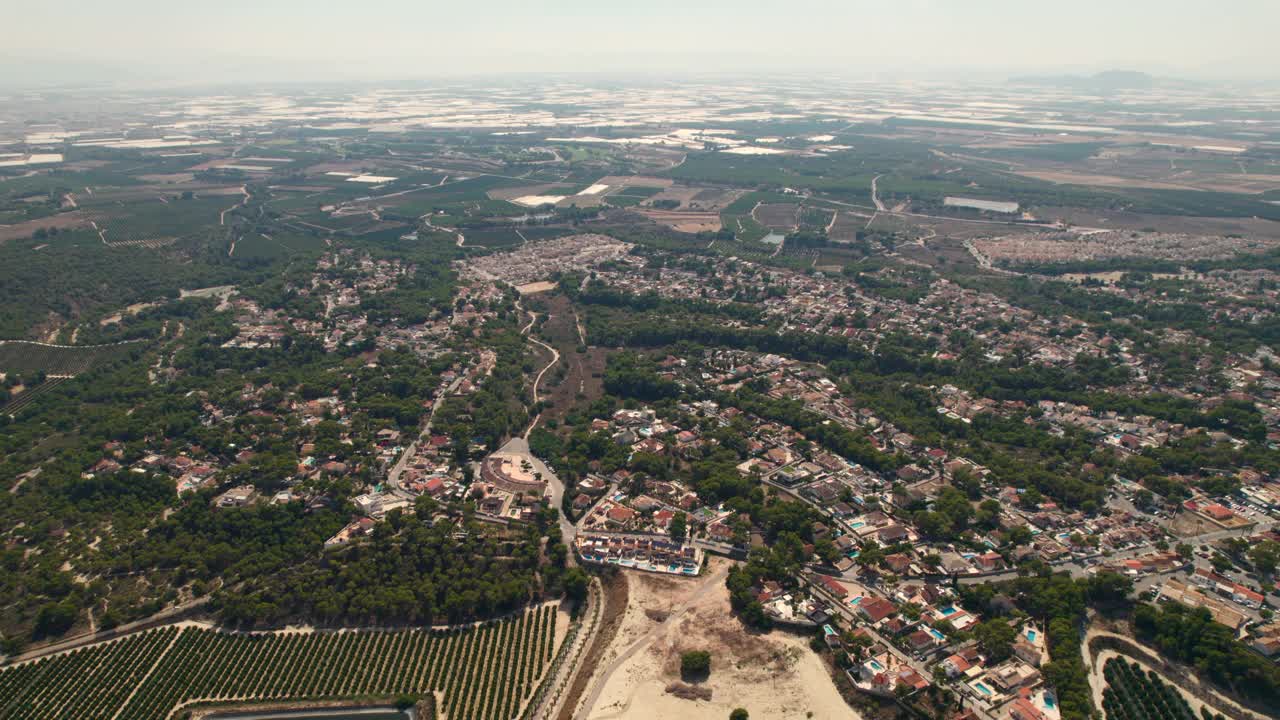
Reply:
x=679, y=527
x=1020, y=535
x=1109, y=588
x=995, y=638
x=695, y=664
x=1184, y=550
x=55, y=619
x=1265, y=555
x=738, y=714
x=576, y=583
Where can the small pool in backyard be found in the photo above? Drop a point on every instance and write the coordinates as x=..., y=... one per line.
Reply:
x=982, y=688
x=948, y=611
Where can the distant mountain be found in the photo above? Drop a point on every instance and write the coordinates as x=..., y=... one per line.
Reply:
x=1107, y=81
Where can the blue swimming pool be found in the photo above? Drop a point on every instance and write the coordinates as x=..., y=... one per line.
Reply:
x=855, y=600
x=875, y=665
x=982, y=688
x=948, y=611
x=1031, y=635
x=937, y=635
x=1049, y=701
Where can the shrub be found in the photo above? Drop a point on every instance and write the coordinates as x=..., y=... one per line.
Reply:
x=695, y=663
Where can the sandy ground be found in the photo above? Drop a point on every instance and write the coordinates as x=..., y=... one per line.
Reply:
x=535, y=287
x=772, y=675
x=690, y=222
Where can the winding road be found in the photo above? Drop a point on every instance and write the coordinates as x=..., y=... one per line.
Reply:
x=555, y=358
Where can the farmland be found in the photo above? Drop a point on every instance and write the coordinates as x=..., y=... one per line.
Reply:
x=22, y=357
x=1133, y=694
x=482, y=672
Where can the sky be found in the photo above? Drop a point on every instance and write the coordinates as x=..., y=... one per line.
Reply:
x=309, y=40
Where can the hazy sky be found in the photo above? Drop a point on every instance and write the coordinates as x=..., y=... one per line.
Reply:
x=257, y=40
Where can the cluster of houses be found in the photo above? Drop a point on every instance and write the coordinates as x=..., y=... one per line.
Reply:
x=652, y=553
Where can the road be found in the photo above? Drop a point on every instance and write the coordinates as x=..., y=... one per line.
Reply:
x=393, y=477
x=875, y=194
x=570, y=665
x=1077, y=568
x=555, y=358
x=598, y=686
x=222, y=216
x=520, y=446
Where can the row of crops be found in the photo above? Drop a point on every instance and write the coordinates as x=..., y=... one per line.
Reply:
x=1135, y=694
x=484, y=673
x=25, y=357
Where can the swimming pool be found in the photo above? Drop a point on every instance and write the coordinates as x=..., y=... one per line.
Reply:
x=858, y=524
x=982, y=689
x=939, y=636
x=1049, y=701
x=1031, y=635
x=948, y=611
x=875, y=665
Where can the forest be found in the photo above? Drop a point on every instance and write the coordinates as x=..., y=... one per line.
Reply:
x=1191, y=636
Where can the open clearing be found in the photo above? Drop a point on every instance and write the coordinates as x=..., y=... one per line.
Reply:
x=772, y=675
x=535, y=287
x=690, y=222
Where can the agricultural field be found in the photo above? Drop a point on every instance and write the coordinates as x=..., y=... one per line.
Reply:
x=157, y=222
x=24, y=357
x=1132, y=694
x=263, y=246
x=485, y=672
x=778, y=216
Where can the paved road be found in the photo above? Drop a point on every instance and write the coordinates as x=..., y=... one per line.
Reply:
x=393, y=477
x=1078, y=568
x=520, y=446
x=710, y=583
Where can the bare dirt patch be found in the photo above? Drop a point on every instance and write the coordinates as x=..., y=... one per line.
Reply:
x=772, y=675
x=62, y=221
x=687, y=222
x=511, y=193
x=616, y=594
x=617, y=181
x=535, y=287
